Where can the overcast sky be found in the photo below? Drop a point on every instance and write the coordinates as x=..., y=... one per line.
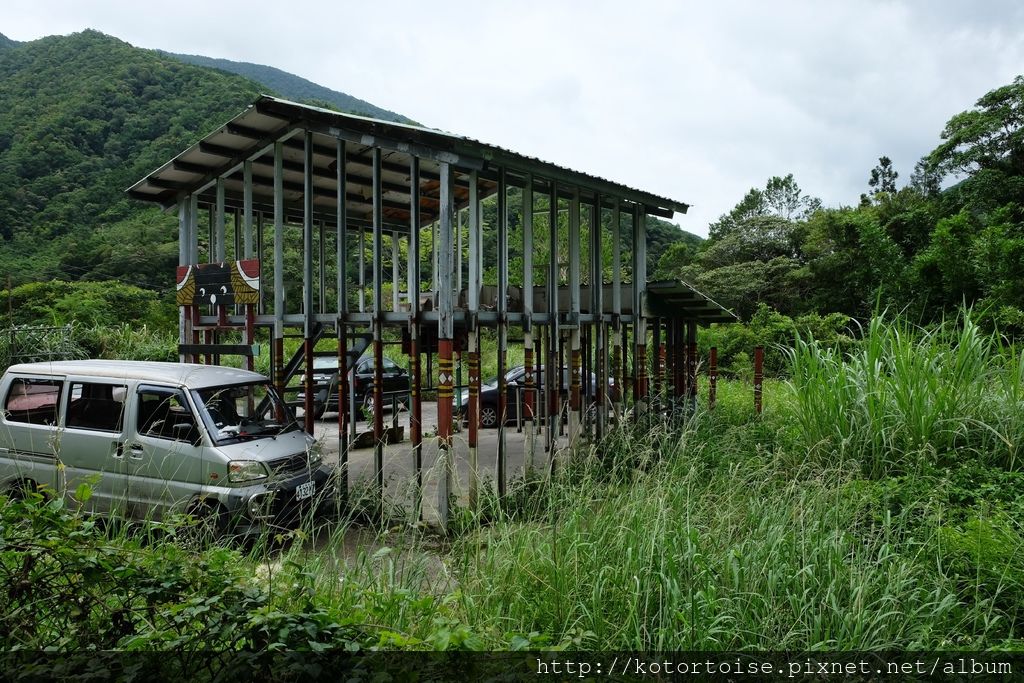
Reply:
x=695, y=101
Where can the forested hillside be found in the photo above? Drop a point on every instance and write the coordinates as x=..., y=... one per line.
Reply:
x=954, y=233
x=81, y=118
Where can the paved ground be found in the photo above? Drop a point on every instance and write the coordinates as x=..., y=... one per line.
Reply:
x=399, y=468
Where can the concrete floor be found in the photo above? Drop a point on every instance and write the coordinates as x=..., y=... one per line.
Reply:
x=399, y=468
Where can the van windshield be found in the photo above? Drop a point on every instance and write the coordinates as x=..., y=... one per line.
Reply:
x=243, y=411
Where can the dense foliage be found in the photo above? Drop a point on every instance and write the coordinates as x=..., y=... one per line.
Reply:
x=919, y=248
x=82, y=117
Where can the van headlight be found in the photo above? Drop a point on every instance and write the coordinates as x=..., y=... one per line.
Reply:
x=315, y=456
x=246, y=470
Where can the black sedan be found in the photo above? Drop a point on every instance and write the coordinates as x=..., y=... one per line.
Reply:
x=514, y=395
x=325, y=379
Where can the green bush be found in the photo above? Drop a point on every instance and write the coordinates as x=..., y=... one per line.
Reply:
x=775, y=332
x=108, y=302
x=906, y=398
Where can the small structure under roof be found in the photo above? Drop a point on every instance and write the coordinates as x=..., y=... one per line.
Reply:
x=327, y=183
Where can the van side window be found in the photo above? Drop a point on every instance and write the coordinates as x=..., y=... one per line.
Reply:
x=33, y=400
x=95, y=406
x=164, y=414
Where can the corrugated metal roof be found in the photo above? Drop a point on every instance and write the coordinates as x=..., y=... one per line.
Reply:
x=251, y=134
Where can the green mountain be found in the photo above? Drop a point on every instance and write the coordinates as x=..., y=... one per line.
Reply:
x=81, y=118
x=84, y=116
x=293, y=87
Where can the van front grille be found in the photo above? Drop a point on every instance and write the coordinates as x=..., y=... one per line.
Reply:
x=287, y=465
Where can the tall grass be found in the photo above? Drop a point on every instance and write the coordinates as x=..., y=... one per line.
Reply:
x=909, y=398
x=715, y=543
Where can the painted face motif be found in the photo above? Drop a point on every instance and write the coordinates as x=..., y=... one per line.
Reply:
x=219, y=284
x=213, y=285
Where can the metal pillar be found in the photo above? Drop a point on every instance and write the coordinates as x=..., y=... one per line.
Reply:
x=529, y=397
x=218, y=238
x=377, y=239
x=184, y=220
x=322, y=269
x=396, y=290
x=341, y=246
x=575, y=404
x=617, y=312
x=475, y=275
x=247, y=241
x=278, y=344
x=597, y=313
x=445, y=334
x=307, y=280
x=416, y=409
x=639, y=322
x=362, y=269
x=553, y=370
x=502, y=310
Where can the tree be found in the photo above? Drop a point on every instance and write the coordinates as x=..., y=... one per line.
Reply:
x=882, y=180
x=781, y=197
x=991, y=135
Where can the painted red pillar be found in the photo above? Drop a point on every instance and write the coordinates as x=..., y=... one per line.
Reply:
x=712, y=377
x=445, y=381
x=758, y=377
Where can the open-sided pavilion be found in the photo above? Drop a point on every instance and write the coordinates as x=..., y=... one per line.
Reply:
x=326, y=182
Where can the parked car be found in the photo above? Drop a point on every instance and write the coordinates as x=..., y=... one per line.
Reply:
x=152, y=439
x=514, y=395
x=325, y=379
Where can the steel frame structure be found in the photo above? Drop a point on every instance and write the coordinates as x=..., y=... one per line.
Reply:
x=281, y=168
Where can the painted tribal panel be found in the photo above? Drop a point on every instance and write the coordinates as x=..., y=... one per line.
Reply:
x=219, y=284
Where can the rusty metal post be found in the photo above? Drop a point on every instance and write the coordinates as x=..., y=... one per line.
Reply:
x=758, y=377
x=712, y=377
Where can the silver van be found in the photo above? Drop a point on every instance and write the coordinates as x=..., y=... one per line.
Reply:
x=157, y=438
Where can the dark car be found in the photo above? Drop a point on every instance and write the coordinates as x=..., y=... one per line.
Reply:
x=514, y=395
x=325, y=379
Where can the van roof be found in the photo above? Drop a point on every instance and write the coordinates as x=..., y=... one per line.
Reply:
x=183, y=374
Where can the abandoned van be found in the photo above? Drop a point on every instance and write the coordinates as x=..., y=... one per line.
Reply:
x=154, y=438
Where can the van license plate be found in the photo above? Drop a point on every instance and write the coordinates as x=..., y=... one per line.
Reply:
x=303, y=491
